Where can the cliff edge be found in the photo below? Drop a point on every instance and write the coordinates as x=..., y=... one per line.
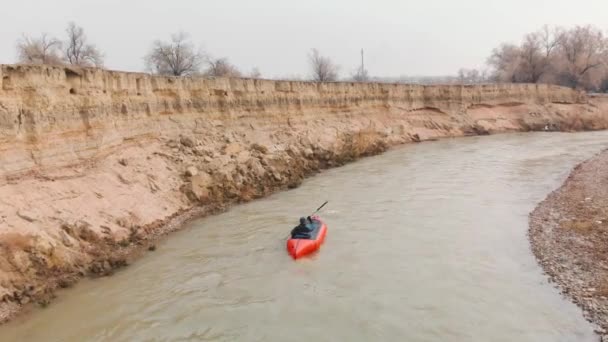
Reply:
x=95, y=164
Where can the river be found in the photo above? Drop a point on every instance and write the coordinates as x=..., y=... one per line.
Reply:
x=426, y=242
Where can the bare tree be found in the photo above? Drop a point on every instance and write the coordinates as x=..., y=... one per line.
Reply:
x=323, y=69
x=255, y=73
x=78, y=52
x=603, y=87
x=576, y=57
x=506, y=62
x=550, y=38
x=42, y=50
x=520, y=64
x=582, y=49
x=471, y=76
x=533, y=62
x=361, y=75
x=221, y=67
x=176, y=58
x=462, y=76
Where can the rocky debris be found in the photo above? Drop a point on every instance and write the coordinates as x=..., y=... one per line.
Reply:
x=27, y=215
x=106, y=267
x=123, y=162
x=232, y=149
x=187, y=141
x=275, y=174
x=476, y=129
x=293, y=151
x=256, y=168
x=569, y=239
x=123, y=179
x=198, y=188
x=259, y=148
x=191, y=171
x=123, y=222
x=263, y=161
x=203, y=151
x=152, y=184
x=106, y=229
x=80, y=230
x=65, y=239
x=243, y=157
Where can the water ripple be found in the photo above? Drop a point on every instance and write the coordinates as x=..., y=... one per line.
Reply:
x=426, y=243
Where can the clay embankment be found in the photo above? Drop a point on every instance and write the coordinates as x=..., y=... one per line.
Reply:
x=569, y=235
x=94, y=165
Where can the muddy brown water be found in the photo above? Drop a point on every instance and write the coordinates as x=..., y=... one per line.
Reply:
x=426, y=243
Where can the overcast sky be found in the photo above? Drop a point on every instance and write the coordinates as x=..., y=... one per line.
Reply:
x=400, y=37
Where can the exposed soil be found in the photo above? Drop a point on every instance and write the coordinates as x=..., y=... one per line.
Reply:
x=200, y=180
x=95, y=165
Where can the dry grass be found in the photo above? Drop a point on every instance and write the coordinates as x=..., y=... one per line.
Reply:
x=578, y=226
x=602, y=290
x=367, y=143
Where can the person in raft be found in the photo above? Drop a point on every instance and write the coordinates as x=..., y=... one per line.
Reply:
x=303, y=230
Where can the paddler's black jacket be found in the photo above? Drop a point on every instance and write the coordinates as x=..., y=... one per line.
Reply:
x=303, y=230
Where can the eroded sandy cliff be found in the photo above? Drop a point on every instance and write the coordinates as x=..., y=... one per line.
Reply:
x=95, y=164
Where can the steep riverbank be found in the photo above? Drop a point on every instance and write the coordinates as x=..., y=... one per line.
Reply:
x=94, y=165
x=569, y=235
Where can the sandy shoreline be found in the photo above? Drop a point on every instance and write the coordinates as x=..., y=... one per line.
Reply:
x=569, y=237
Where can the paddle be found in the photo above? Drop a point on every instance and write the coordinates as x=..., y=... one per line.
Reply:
x=321, y=207
x=316, y=211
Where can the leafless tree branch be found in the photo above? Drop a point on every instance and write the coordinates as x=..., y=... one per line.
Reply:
x=176, y=58
x=323, y=69
x=78, y=51
x=42, y=50
x=221, y=67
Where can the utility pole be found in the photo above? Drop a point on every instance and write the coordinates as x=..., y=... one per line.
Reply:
x=362, y=63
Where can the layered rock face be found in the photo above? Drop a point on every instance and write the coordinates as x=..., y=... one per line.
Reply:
x=95, y=164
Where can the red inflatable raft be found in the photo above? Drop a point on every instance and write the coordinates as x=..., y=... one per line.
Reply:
x=298, y=246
